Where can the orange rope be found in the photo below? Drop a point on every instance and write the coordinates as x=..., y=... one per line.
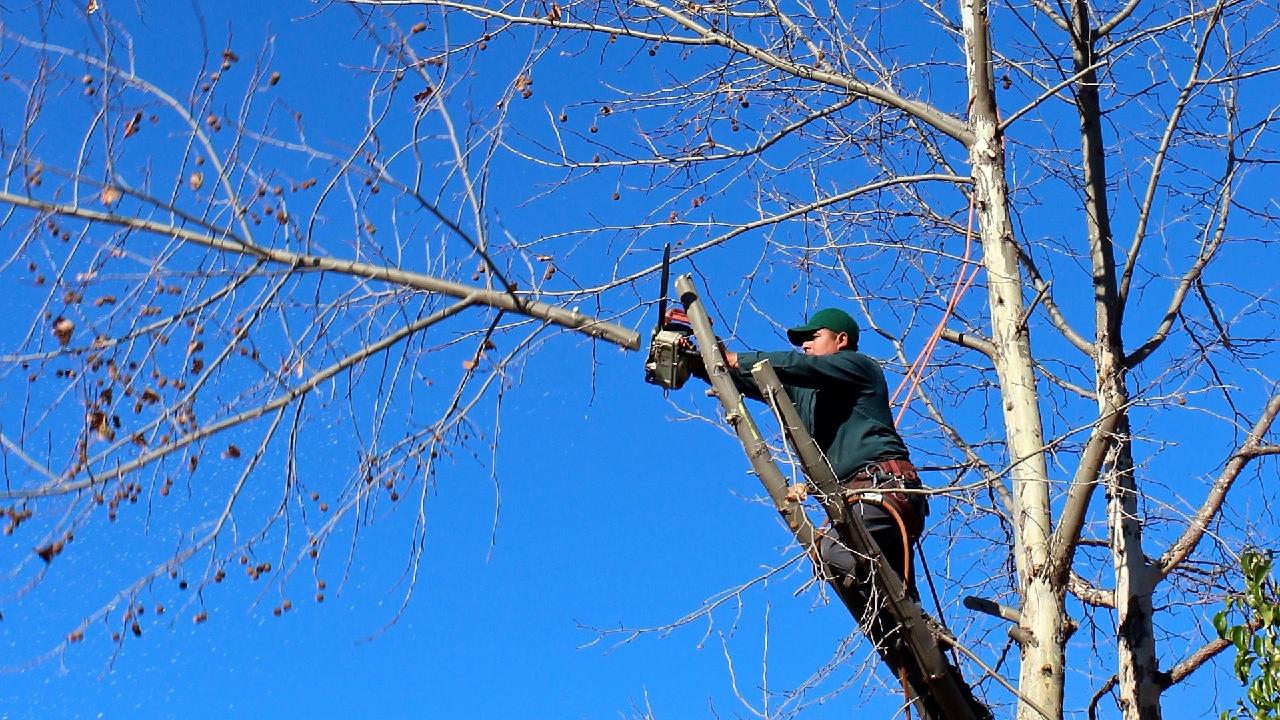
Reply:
x=906, y=690
x=915, y=374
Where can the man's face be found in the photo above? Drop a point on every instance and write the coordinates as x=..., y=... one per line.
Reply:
x=825, y=342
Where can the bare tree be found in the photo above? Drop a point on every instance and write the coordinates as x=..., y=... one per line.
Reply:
x=202, y=292
x=1073, y=196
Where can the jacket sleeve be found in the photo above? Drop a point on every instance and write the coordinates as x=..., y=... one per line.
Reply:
x=809, y=371
x=744, y=382
x=741, y=380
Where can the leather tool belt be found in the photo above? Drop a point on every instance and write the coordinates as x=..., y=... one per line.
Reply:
x=882, y=477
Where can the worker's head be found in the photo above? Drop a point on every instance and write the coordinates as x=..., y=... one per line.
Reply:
x=828, y=331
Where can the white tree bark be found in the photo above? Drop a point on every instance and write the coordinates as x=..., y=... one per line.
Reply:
x=1041, y=680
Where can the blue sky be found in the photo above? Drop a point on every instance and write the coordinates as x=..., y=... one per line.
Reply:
x=607, y=505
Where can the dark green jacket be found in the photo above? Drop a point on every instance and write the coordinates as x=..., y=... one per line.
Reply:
x=842, y=400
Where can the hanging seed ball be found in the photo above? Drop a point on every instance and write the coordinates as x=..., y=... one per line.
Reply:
x=319, y=597
x=287, y=605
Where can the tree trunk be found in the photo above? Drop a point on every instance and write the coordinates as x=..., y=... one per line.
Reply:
x=1041, y=680
x=1137, y=680
x=1137, y=665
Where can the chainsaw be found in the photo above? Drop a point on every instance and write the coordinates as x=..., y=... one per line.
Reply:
x=670, y=348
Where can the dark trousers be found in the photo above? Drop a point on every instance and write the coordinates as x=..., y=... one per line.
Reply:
x=860, y=594
x=847, y=562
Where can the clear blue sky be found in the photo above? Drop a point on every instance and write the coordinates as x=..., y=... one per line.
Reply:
x=612, y=514
x=616, y=510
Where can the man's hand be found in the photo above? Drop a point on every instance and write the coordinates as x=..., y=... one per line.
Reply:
x=730, y=358
x=797, y=493
x=696, y=366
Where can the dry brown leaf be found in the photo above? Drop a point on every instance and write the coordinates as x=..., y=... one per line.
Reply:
x=135, y=123
x=62, y=329
x=110, y=195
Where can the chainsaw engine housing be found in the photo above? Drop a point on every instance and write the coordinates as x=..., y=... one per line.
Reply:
x=668, y=363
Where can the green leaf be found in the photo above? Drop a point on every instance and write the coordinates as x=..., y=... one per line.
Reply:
x=1257, y=662
x=1243, y=664
x=1220, y=623
x=1239, y=636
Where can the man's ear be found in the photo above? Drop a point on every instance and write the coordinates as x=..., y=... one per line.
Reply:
x=842, y=341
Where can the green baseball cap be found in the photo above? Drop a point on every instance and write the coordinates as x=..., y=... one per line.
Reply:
x=835, y=320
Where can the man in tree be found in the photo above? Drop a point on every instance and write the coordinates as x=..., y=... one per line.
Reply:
x=843, y=400
x=841, y=397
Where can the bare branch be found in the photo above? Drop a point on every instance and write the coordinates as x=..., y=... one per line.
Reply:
x=1157, y=162
x=1056, y=316
x=968, y=340
x=64, y=488
x=703, y=35
x=226, y=241
x=1121, y=15
x=1199, y=524
x=1071, y=519
x=1086, y=593
x=1202, y=655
